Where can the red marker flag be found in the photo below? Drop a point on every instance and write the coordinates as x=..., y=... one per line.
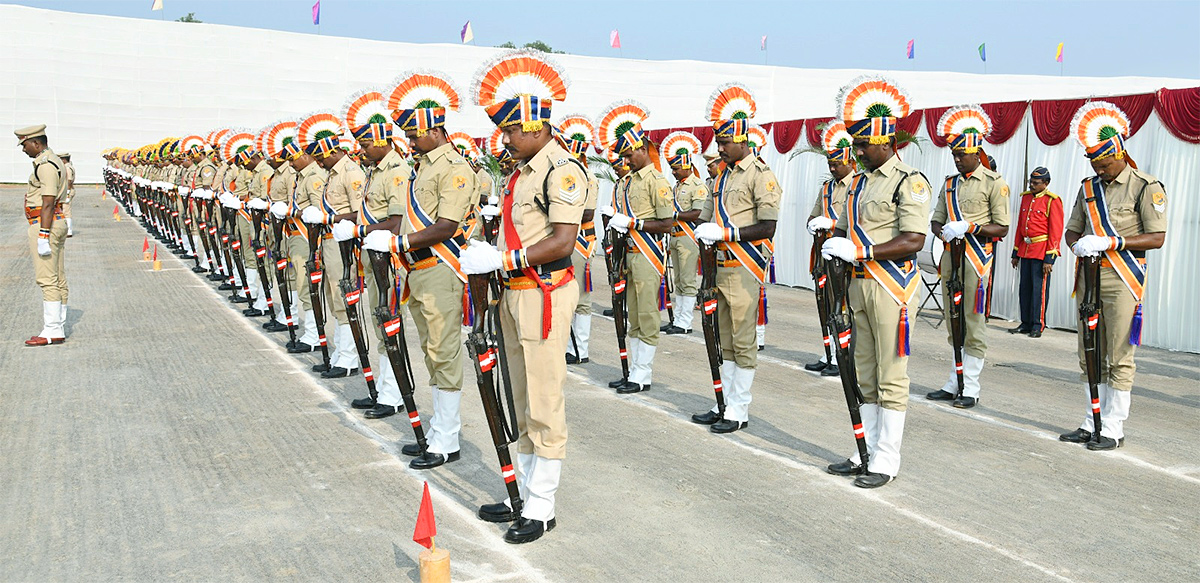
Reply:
x=426, y=528
x=145, y=242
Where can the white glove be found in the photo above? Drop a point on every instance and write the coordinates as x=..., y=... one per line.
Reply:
x=607, y=211
x=819, y=224
x=377, y=240
x=489, y=211
x=955, y=230
x=258, y=204
x=1091, y=245
x=184, y=190
x=840, y=247
x=343, y=231
x=204, y=194
x=280, y=210
x=312, y=215
x=480, y=257
x=233, y=203
x=620, y=222
x=494, y=200
x=43, y=247
x=710, y=233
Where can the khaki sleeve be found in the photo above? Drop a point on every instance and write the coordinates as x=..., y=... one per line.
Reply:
x=1078, y=222
x=767, y=195
x=48, y=175
x=940, y=215
x=699, y=198
x=664, y=205
x=913, y=207
x=817, y=211
x=1152, y=208
x=567, y=188
x=316, y=189
x=998, y=203
x=396, y=192
x=455, y=189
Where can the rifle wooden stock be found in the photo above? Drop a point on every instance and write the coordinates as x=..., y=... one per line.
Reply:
x=1090, y=309
x=189, y=219
x=235, y=243
x=352, y=293
x=709, y=321
x=225, y=242
x=842, y=325
x=260, y=252
x=394, y=343
x=615, y=251
x=281, y=265
x=820, y=275
x=958, y=321
x=316, y=276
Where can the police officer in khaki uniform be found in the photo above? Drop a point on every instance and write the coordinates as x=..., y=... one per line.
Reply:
x=576, y=134
x=644, y=211
x=883, y=228
x=540, y=220
x=69, y=168
x=688, y=197
x=281, y=184
x=205, y=179
x=310, y=182
x=740, y=219
x=972, y=205
x=258, y=199
x=1119, y=214
x=47, y=232
x=827, y=208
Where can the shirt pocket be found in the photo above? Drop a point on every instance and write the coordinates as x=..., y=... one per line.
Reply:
x=1124, y=219
x=878, y=212
x=426, y=193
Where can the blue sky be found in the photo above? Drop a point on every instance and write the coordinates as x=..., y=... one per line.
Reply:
x=1102, y=37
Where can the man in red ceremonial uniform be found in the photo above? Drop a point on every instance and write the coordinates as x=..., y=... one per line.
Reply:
x=1039, y=229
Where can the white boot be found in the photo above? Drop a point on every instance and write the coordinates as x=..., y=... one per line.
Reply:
x=347, y=351
x=1113, y=417
x=869, y=413
x=260, y=302
x=1089, y=423
x=760, y=331
x=524, y=465
x=445, y=424
x=69, y=231
x=727, y=369
x=387, y=387
x=252, y=284
x=684, y=311
x=886, y=458
x=972, y=367
x=646, y=362
x=633, y=348
x=52, y=321
x=542, y=485
x=737, y=394
x=310, y=336
x=582, y=327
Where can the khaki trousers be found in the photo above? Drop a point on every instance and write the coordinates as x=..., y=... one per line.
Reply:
x=48, y=271
x=537, y=367
x=435, y=303
x=685, y=259
x=641, y=298
x=296, y=248
x=331, y=260
x=246, y=235
x=584, y=305
x=975, y=339
x=737, y=315
x=1116, y=321
x=882, y=372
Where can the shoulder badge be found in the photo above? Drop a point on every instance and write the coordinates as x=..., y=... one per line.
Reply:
x=920, y=191
x=397, y=180
x=460, y=182
x=1004, y=191
x=772, y=186
x=316, y=185
x=356, y=185
x=1159, y=200
x=568, y=188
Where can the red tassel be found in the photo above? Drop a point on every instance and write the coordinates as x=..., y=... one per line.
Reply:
x=762, y=306
x=468, y=308
x=904, y=333
x=587, y=277
x=1135, y=330
x=980, y=298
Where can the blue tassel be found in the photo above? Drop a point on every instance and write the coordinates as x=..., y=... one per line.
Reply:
x=662, y=294
x=980, y=298
x=1135, y=330
x=772, y=270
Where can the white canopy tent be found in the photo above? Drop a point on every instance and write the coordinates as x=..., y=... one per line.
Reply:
x=99, y=82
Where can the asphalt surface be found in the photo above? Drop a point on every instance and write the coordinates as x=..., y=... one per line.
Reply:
x=170, y=438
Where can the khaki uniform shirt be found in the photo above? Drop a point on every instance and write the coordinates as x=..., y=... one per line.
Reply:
x=691, y=194
x=260, y=180
x=564, y=191
x=1137, y=204
x=982, y=199
x=646, y=195
x=310, y=183
x=206, y=174
x=282, y=184
x=752, y=194
x=241, y=183
x=895, y=200
x=47, y=179
x=840, y=188
x=344, y=191
x=443, y=186
x=387, y=189
x=485, y=186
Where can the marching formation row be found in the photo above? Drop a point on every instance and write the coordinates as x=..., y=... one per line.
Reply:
x=336, y=213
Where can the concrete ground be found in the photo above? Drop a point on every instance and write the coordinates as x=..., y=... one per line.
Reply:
x=171, y=439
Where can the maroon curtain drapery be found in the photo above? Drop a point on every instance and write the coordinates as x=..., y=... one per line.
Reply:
x=909, y=124
x=1052, y=119
x=1179, y=110
x=1136, y=107
x=814, y=129
x=932, y=116
x=1006, y=119
x=786, y=133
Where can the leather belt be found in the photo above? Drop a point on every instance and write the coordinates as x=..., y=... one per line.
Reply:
x=542, y=270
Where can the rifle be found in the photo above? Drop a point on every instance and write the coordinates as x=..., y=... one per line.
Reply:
x=225, y=236
x=187, y=223
x=281, y=264
x=315, y=276
x=841, y=324
x=1089, y=313
x=954, y=288
x=219, y=262
x=236, y=245
x=260, y=251
x=394, y=343
x=352, y=293
x=667, y=286
x=615, y=251
x=709, y=321
x=486, y=345
x=820, y=275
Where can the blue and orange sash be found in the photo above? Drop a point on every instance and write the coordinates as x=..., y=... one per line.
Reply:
x=827, y=209
x=650, y=247
x=447, y=251
x=748, y=253
x=898, y=278
x=978, y=254
x=1131, y=269
x=682, y=228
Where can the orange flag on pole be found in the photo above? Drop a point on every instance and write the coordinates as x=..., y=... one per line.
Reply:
x=426, y=527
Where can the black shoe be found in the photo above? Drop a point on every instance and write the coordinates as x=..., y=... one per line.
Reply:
x=846, y=468
x=198, y=269
x=525, y=530
x=939, y=395
x=762, y=347
x=432, y=460
x=239, y=299
x=1077, y=436
x=631, y=387
x=299, y=347
x=831, y=371
x=411, y=450
x=727, y=426
x=338, y=372
x=1035, y=334
x=1105, y=444
x=706, y=418
x=1022, y=329
x=673, y=329
x=225, y=287
x=214, y=276
x=275, y=326
x=572, y=359
x=608, y=313
x=321, y=367
x=665, y=327
x=252, y=312
x=381, y=411
x=816, y=366
x=498, y=512
x=872, y=480
x=617, y=383
x=363, y=403
x=965, y=402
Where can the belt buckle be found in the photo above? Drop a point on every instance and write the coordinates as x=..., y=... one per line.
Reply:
x=1028, y=241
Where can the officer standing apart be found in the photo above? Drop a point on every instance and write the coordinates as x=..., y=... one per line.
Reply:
x=47, y=231
x=973, y=206
x=883, y=228
x=828, y=208
x=541, y=210
x=740, y=218
x=1119, y=214
x=1039, y=229
x=69, y=168
x=577, y=133
x=688, y=197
